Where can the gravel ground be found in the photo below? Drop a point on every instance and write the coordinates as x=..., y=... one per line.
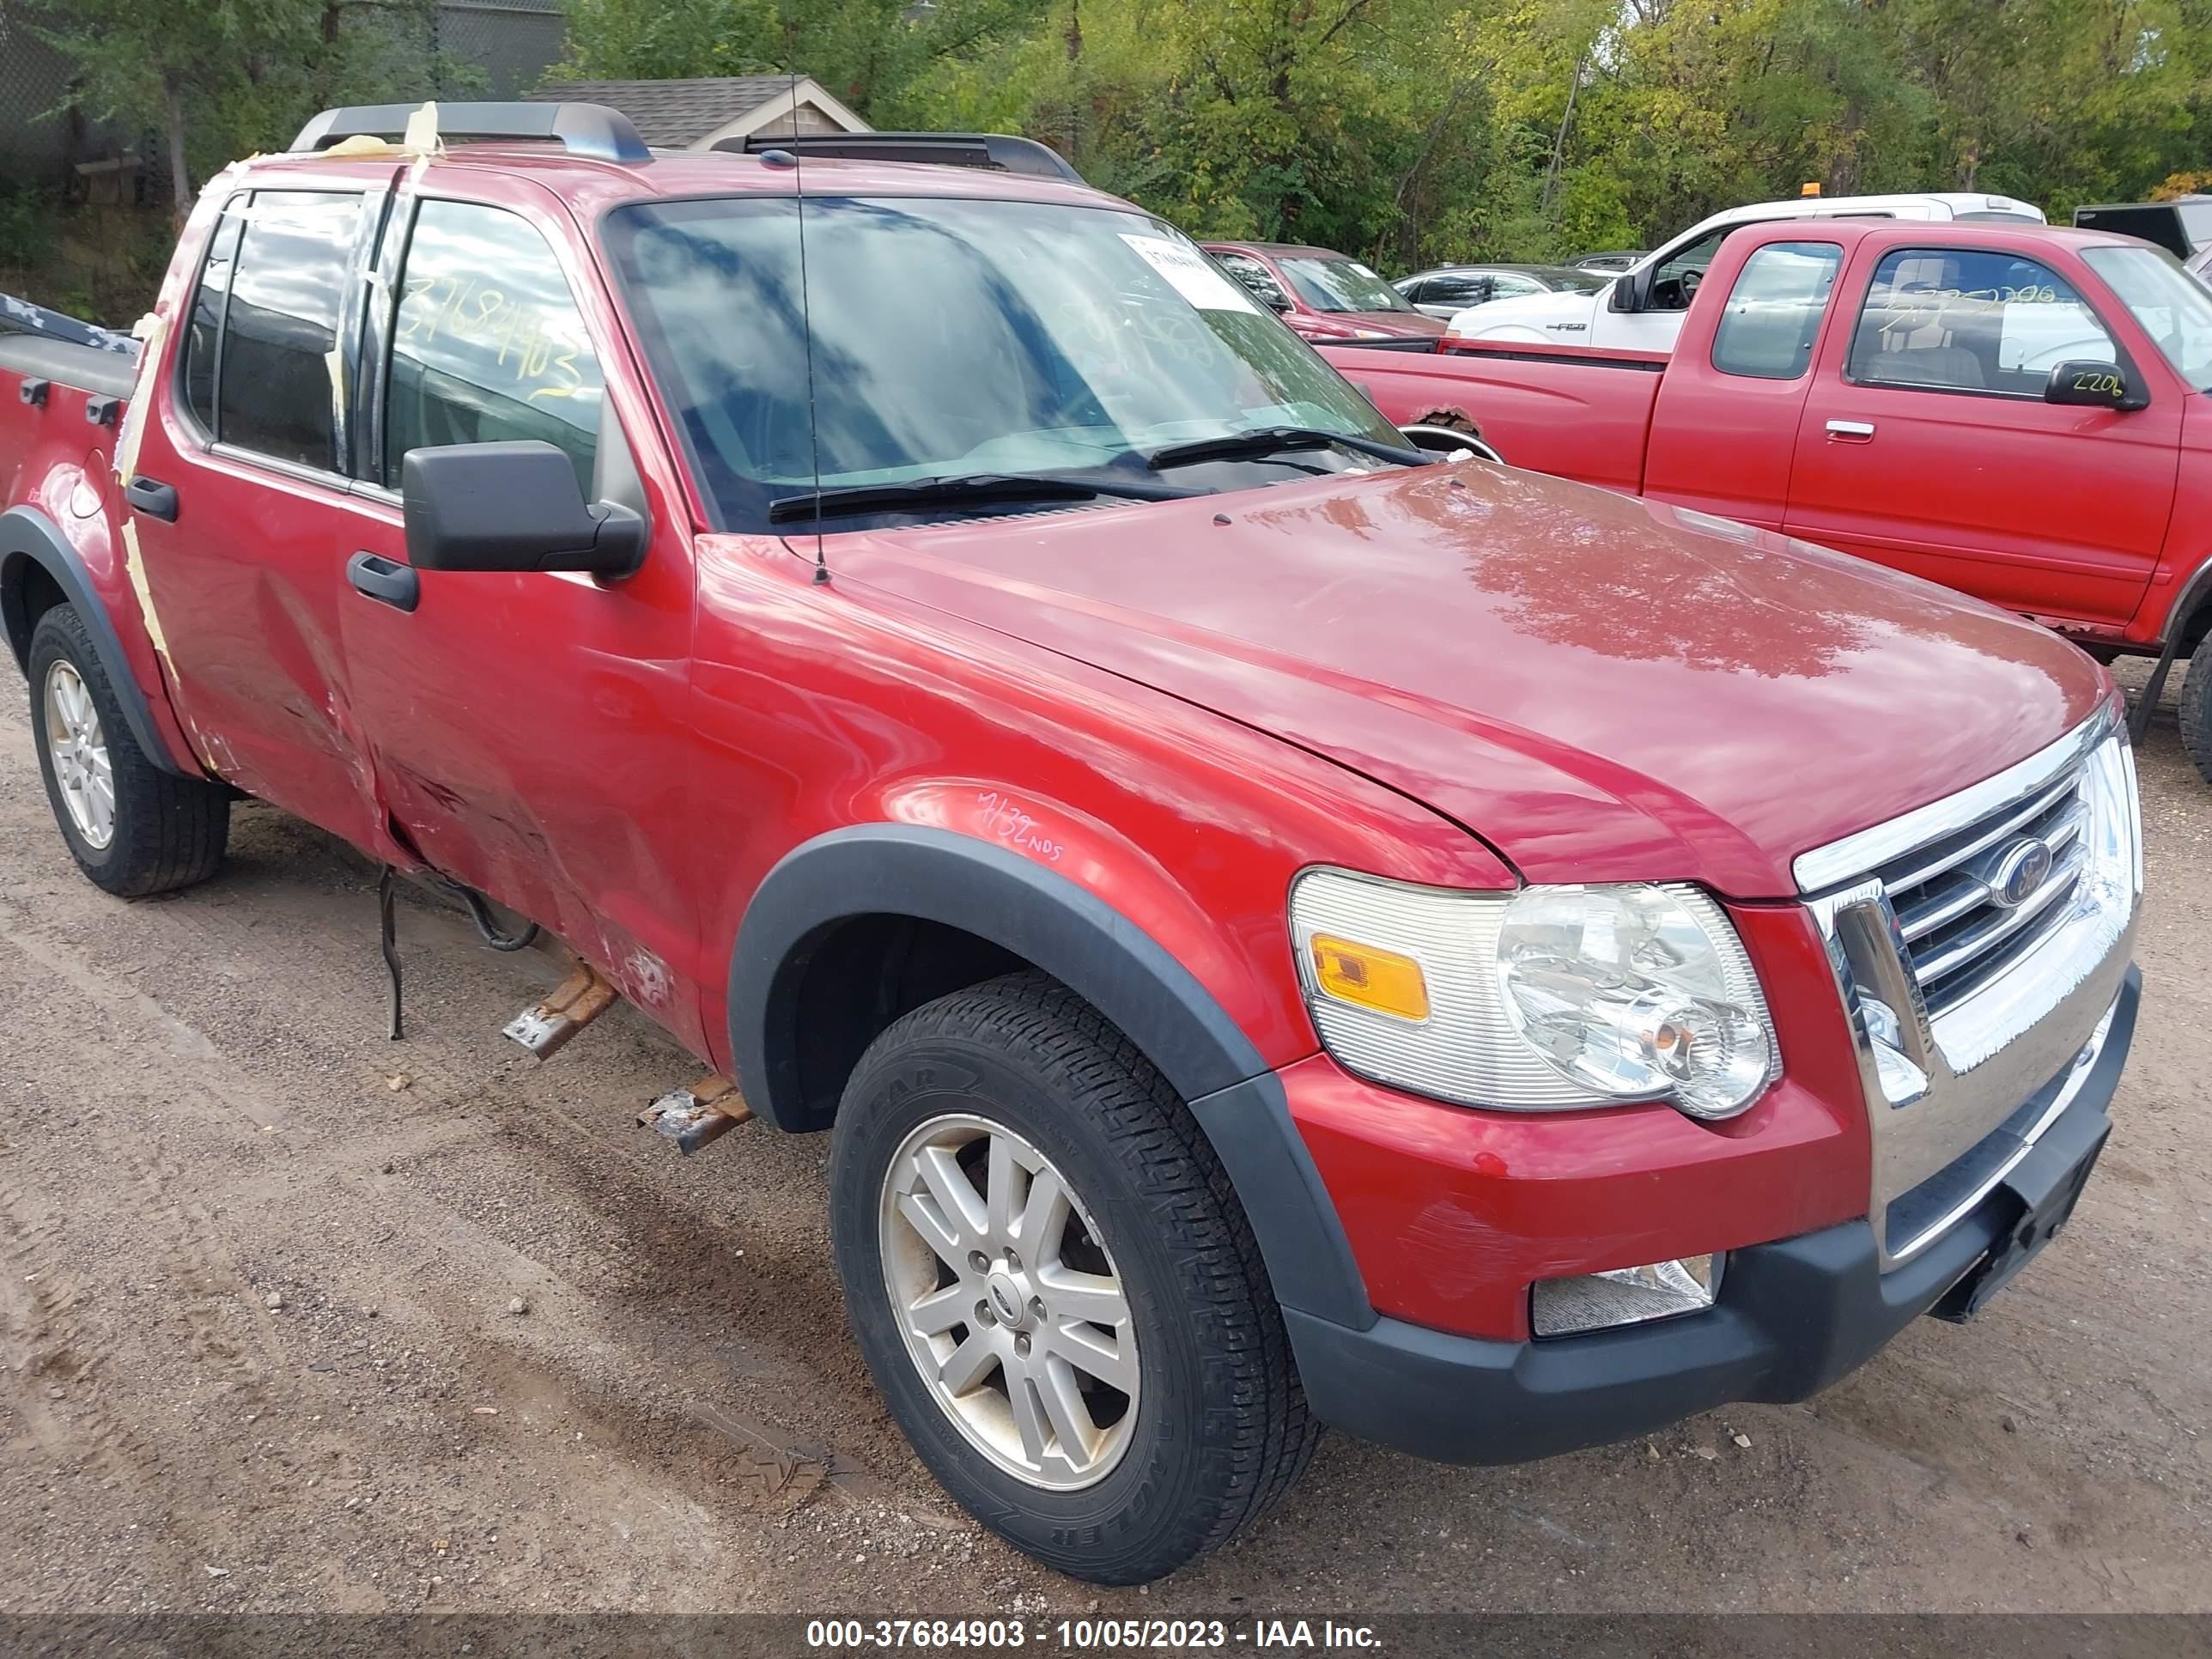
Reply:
x=293, y=1318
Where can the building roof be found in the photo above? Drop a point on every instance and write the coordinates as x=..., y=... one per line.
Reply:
x=687, y=114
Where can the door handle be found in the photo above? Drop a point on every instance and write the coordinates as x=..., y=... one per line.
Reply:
x=1852, y=431
x=153, y=498
x=385, y=580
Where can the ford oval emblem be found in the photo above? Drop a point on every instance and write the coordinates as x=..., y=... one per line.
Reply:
x=2019, y=873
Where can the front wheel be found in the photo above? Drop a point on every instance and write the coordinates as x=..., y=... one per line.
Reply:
x=1055, y=1287
x=133, y=828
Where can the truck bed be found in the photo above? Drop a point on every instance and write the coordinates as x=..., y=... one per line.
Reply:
x=1562, y=410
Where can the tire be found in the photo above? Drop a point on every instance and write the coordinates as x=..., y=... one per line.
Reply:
x=1218, y=1427
x=2196, y=710
x=162, y=831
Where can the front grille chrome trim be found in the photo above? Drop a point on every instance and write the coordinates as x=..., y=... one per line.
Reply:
x=1855, y=855
x=1963, y=1008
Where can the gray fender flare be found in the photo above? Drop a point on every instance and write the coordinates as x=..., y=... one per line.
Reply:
x=1068, y=932
x=27, y=537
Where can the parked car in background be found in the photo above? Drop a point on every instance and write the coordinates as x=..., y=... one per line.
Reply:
x=1643, y=310
x=2182, y=228
x=2014, y=411
x=1617, y=259
x=1449, y=289
x=1279, y=929
x=1323, y=295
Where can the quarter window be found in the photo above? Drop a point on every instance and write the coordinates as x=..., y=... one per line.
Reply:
x=488, y=345
x=1967, y=320
x=1775, y=309
x=275, y=389
x=1256, y=276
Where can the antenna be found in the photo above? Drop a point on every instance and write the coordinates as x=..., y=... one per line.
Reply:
x=806, y=323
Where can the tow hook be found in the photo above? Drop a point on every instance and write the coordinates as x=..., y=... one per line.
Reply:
x=692, y=1117
x=578, y=1000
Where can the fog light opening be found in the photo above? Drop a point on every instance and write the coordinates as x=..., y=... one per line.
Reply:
x=1626, y=1295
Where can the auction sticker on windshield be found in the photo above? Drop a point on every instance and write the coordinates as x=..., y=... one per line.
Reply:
x=1191, y=274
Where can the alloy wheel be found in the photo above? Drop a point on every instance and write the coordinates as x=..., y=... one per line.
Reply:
x=78, y=748
x=1009, y=1301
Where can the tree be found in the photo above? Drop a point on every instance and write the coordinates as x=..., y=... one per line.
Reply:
x=219, y=79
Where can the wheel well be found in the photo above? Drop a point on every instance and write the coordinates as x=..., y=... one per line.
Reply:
x=27, y=592
x=861, y=973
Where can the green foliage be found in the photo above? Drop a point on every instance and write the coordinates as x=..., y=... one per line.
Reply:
x=1420, y=131
x=220, y=79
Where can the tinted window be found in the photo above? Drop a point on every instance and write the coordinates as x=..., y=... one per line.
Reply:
x=1775, y=310
x=206, y=327
x=1457, y=291
x=277, y=395
x=1969, y=319
x=487, y=346
x=954, y=338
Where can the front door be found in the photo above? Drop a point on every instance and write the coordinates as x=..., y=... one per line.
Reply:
x=240, y=507
x=1926, y=443
x=531, y=732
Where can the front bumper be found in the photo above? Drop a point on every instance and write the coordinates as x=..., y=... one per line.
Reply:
x=1793, y=1316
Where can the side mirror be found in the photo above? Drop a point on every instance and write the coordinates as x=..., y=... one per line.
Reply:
x=511, y=507
x=1630, y=292
x=2093, y=384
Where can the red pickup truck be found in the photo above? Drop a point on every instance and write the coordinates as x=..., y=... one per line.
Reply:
x=2017, y=412
x=1281, y=928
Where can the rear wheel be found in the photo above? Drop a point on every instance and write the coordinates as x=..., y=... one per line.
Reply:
x=133, y=828
x=1055, y=1287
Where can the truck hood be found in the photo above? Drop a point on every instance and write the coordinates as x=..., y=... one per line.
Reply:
x=1601, y=688
x=1561, y=319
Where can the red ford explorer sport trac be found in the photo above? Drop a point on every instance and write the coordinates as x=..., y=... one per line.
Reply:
x=1282, y=929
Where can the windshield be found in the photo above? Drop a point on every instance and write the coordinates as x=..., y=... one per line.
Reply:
x=954, y=338
x=2174, y=309
x=1331, y=283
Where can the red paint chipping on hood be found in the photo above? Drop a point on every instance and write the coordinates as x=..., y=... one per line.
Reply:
x=1603, y=689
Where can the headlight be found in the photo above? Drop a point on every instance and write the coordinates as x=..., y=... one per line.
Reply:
x=1548, y=999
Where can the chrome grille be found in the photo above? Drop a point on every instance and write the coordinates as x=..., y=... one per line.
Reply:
x=1959, y=931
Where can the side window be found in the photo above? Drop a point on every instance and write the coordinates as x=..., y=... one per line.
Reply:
x=1775, y=310
x=275, y=391
x=1460, y=290
x=487, y=344
x=1507, y=286
x=1972, y=319
x=1676, y=279
x=203, y=331
x=1255, y=276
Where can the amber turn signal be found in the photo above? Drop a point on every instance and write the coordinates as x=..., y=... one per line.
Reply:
x=1368, y=978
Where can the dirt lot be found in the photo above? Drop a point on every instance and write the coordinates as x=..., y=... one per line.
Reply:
x=258, y=1269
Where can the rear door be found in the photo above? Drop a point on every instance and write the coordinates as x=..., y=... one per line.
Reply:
x=245, y=555
x=1724, y=431
x=531, y=732
x=1926, y=443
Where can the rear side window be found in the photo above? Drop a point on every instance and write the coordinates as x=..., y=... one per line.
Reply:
x=1775, y=309
x=203, y=332
x=488, y=345
x=276, y=391
x=1972, y=319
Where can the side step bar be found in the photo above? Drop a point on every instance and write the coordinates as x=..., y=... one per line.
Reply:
x=575, y=1003
x=693, y=1117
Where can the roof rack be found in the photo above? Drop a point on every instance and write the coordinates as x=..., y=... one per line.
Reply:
x=586, y=130
x=999, y=151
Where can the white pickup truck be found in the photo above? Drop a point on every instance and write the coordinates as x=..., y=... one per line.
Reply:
x=1643, y=310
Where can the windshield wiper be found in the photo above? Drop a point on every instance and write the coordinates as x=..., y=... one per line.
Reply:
x=1278, y=441
x=976, y=488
